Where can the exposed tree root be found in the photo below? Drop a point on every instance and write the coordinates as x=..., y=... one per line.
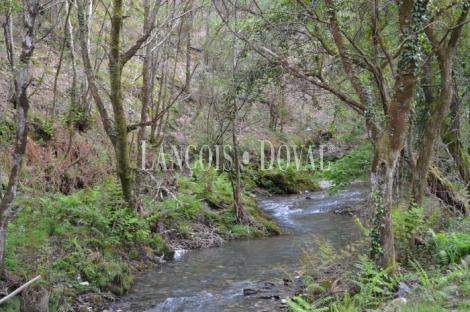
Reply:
x=442, y=188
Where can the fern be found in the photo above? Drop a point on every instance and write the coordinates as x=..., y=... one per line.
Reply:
x=351, y=167
x=298, y=304
x=375, y=285
x=408, y=223
x=424, y=278
x=450, y=247
x=347, y=304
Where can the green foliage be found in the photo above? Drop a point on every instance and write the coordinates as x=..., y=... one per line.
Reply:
x=287, y=178
x=208, y=184
x=87, y=236
x=207, y=194
x=375, y=286
x=12, y=305
x=412, y=46
x=346, y=304
x=450, y=247
x=158, y=244
x=129, y=226
x=440, y=291
x=267, y=221
x=408, y=222
x=9, y=5
x=298, y=304
x=351, y=167
x=319, y=255
x=316, y=255
x=7, y=132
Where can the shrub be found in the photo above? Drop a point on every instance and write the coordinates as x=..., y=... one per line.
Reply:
x=450, y=247
x=353, y=166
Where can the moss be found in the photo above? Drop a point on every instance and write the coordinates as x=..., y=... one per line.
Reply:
x=161, y=248
x=133, y=254
x=288, y=182
x=259, y=215
x=93, y=238
x=12, y=305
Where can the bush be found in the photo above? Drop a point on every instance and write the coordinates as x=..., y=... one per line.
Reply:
x=450, y=247
x=88, y=236
x=353, y=166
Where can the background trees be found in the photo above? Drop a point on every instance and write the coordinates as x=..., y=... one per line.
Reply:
x=379, y=73
x=194, y=72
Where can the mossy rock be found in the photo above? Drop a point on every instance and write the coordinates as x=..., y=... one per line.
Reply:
x=284, y=183
x=161, y=248
x=266, y=220
x=115, y=289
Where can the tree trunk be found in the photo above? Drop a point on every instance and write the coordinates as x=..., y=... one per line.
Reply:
x=188, y=27
x=84, y=37
x=450, y=135
x=391, y=139
x=445, y=56
x=21, y=85
x=240, y=211
x=121, y=146
x=117, y=133
x=443, y=190
x=148, y=75
x=431, y=130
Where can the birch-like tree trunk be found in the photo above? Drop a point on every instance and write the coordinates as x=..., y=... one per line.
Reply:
x=21, y=76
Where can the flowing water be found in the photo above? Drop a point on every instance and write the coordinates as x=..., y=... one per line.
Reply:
x=212, y=280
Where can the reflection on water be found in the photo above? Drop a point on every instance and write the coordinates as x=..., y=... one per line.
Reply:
x=213, y=279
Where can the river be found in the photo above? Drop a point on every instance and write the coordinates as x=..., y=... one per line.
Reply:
x=212, y=280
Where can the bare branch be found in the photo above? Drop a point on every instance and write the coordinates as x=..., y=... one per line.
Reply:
x=357, y=106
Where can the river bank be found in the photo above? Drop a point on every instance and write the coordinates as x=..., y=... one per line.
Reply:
x=88, y=246
x=253, y=274
x=315, y=265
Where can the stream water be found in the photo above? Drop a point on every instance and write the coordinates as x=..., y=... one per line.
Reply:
x=212, y=280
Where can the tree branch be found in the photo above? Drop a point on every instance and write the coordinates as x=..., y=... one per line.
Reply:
x=125, y=57
x=357, y=106
x=457, y=29
x=345, y=59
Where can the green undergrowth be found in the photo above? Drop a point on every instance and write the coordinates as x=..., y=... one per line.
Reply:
x=88, y=241
x=91, y=242
x=439, y=275
x=351, y=167
x=212, y=197
x=434, y=276
x=282, y=178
